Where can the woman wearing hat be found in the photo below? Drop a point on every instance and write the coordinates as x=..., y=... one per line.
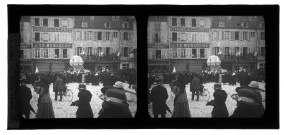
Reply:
x=45, y=108
x=115, y=105
x=84, y=108
x=220, y=108
x=254, y=86
x=246, y=105
x=181, y=108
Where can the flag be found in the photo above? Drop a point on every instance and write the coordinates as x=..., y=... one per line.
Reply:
x=118, y=54
x=255, y=53
x=219, y=44
x=174, y=71
x=36, y=71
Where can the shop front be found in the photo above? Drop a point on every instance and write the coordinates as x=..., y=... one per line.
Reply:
x=26, y=65
x=193, y=65
x=155, y=65
x=51, y=65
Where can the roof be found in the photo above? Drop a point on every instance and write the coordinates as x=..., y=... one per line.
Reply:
x=158, y=18
x=98, y=22
x=235, y=22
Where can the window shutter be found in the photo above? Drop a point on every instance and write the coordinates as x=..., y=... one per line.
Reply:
x=170, y=21
x=111, y=36
x=179, y=52
x=94, y=50
x=33, y=36
x=85, y=50
x=49, y=22
x=33, y=21
x=60, y=22
x=186, y=52
x=129, y=36
x=104, y=50
x=33, y=53
x=178, y=36
x=198, y=52
x=178, y=21
x=205, y=53
x=241, y=50
x=197, y=22
x=150, y=54
x=120, y=35
x=213, y=51
x=41, y=36
x=189, y=22
x=95, y=35
x=41, y=52
x=40, y=22
x=104, y=35
x=223, y=50
x=241, y=35
x=186, y=25
x=60, y=53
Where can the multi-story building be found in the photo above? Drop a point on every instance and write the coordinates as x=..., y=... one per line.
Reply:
x=25, y=44
x=189, y=38
x=261, y=45
x=105, y=41
x=158, y=43
x=51, y=42
x=235, y=38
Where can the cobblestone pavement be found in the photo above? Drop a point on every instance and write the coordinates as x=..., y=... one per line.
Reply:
x=199, y=109
x=64, y=110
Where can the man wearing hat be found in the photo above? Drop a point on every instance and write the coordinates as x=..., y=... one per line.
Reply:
x=84, y=107
x=58, y=87
x=195, y=87
x=246, y=104
x=159, y=96
x=115, y=104
x=26, y=96
x=220, y=108
x=255, y=87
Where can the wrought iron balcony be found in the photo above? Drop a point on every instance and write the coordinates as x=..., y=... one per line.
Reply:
x=230, y=57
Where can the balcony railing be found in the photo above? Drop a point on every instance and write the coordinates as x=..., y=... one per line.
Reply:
x=231, y=57
x=101, y=58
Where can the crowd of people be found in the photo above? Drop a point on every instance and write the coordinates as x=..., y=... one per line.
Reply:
x=113, y=93
x=248, y=97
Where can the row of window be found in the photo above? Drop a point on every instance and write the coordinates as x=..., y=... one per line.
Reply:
x=102, y=51
x=106, y=24
x=99, y=35
x=238, y=51
x=238, y=35
x=188, y=22
x=51, y=53
x=50, y=22
x=52, y=37
x=79, y=35
x=189, y=37
x=188, y=53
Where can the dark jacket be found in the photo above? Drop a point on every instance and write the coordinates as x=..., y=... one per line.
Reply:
x=111, y=111
x=26, y=96
x=244, y=111
x=195, y=85
x=159, y=96
x=220, y=109
x=84, y=107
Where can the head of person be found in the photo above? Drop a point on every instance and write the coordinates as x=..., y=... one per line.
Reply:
x=115, y=98
x=217, y=86
x=45, y=84
x=82, y=87
x=118, y=85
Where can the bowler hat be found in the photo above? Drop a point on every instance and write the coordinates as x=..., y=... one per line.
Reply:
x=116, y=97
x=82, y=86
x=247, y=97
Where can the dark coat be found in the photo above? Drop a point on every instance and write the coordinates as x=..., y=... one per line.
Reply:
x=84, y=107
x=220, y=109
x=111, y=111
x=26, y=96
x=159, y=96
x=243, y=111
x=195, y=85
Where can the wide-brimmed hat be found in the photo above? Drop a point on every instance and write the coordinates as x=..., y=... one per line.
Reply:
x=82, y=86
x=217, y=86
x=247, y=97
x=115, y=97
x=118, y=84
x=254, y=84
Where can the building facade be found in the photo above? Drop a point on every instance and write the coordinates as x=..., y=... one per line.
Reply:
x=105, y=41
x=158, y=44
x=26, y=62
x=189, y=42
x=51, y=42
x=237, y=40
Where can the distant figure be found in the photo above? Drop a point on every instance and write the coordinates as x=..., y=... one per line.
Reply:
x=220, y=109
x=58, y=87
x=158, y=97
x=84, y=108
x=195, y=87
x=181, y=107
x=246, y=104
x=45, y=108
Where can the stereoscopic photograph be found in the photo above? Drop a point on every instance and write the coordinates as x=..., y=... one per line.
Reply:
x=206, y=66
x=78, y=67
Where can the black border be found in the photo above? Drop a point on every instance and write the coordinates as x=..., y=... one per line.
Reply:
x=141, y=13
